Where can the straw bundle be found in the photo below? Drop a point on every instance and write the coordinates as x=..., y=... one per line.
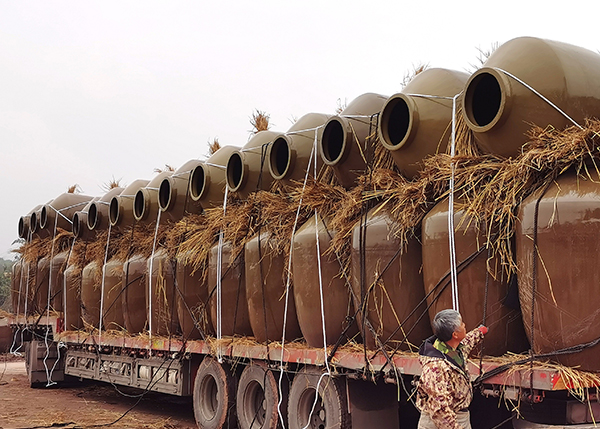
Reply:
x=259, y=121
x=548, y=154
x=37, y=248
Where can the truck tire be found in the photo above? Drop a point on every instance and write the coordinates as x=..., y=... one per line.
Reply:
x=331, y=410
x=258, y=397
x=214, y=395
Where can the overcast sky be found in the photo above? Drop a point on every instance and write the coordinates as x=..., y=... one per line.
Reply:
x=91, y=91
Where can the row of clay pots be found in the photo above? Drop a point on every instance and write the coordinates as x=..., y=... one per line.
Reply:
x=497, y=105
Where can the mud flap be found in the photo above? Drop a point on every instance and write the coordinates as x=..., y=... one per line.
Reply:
x=45, y=365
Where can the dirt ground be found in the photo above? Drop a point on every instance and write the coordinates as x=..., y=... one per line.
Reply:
x=84, y=404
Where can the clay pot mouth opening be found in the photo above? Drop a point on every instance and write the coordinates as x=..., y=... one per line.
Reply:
x=197, y=183
x=43, y=223
x=114, y=211
x=33, y=222
x=333, y=142
x=22, y=227
x=165, y=195
x=92, y=217
x=235, y=172
x=279, y=158
x=139, y=205
x=396, y=122
x=484, y=100
x=77, y=225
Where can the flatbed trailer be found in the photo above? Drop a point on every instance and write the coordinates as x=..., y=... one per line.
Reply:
x=233, y=378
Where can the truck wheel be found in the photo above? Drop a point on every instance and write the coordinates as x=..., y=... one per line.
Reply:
x=257, y=398
x=214, y=395
x=331, y=410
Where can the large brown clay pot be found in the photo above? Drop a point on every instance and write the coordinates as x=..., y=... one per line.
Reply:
x=390, y=287
x=98, y=213
x=173, y=194
x=266, y=291
x=134, y=294
x=247, y=168
x=162, y=311
x=506, y=327
x=42, y=283
x=145, y=204
x=72, y=302
x=234, y=308
x=57, y=279
x=566, y=283
x=500, y=110
x=112, y=308
x=208, y=180
x=343, y=141
x=28, y=274
x=337, y=300
x=17, y=293
x=192, y=302
x=120, y=211
x=79, y=227
x=91, y=282
x=413, y=127
x=35, y=221
x=289, y=154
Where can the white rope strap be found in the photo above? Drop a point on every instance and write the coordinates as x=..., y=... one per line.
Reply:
x=327, y=369
x=102, y=285
x=526, y=85
x=150, y=296
x=219, y=284
x=288, y=280
x=452, y=244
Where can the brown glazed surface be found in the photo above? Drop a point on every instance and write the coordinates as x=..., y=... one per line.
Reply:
x=569, y=76
x=400, y=288
x=424, y=127
x=164, y=312
x=125, y=203
x=25, y=229
x=234, y=309
x=342, y=143
x=101, y=206
x=254, y=174
x=300, y=139
x=180, y=202
x=134, y=294
x=265, y=290
x=42, y=282
x=72, y=303
x=506, y=327
x=91, y=278
x=57, y=271
x=35, y=226
x=337, y=301
x=566, y=300
x=67, y=204
x=213, y=191
x=192, y=296
x=112, y=304
x=17, y=289
x=79, y=228
x=28, y=272
x=150, y=210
